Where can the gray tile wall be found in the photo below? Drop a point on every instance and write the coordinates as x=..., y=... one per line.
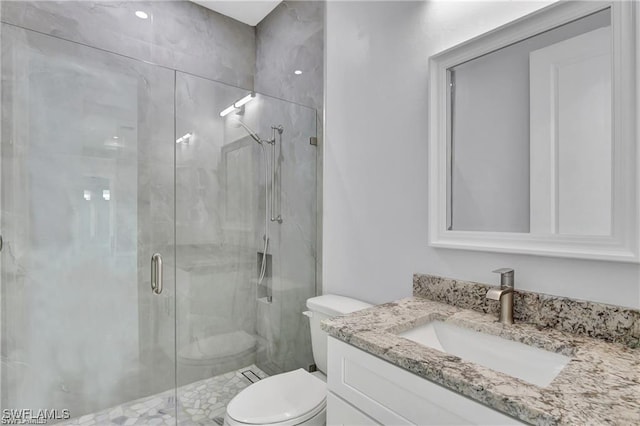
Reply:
x=287, y=344
x=291, y=38
x=177, y=34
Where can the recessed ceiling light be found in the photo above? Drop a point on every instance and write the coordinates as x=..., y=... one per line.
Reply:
x=142, y=15
x=297, y=72
x=115, y=137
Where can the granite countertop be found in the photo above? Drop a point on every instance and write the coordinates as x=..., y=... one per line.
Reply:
x=600, y=385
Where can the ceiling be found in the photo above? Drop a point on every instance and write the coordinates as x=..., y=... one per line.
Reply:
x=250, y=12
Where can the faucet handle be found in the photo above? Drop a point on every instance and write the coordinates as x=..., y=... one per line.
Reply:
x=506, y=276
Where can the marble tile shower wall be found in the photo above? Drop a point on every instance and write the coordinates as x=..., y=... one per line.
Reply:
x=285, y=343
x=178, y=34
x=291, y=38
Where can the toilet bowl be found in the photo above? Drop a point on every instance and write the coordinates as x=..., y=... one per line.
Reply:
x=292, y=398
x=296, y=397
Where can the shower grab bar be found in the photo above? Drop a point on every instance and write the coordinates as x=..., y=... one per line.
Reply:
x=156, y=273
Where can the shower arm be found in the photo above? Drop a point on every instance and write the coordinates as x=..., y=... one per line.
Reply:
x=274, y=130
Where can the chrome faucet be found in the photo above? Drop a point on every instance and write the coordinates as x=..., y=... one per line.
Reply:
x=504, y=294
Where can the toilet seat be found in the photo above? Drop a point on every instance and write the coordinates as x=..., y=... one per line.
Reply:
x=284, y=399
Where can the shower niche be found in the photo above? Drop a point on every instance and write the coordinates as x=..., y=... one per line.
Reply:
x=264, y=261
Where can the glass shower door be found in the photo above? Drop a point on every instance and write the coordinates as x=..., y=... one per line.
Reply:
x=232, y=327
x=87, y=197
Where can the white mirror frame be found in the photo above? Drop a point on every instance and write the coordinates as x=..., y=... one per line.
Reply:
x=622, y=245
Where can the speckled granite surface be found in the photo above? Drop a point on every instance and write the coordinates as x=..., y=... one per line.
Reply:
x=607, y=322
x=600, y=385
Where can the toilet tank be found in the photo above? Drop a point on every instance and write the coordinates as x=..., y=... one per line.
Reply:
x=321, y=308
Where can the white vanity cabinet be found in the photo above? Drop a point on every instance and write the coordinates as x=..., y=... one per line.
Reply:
x=366, y=390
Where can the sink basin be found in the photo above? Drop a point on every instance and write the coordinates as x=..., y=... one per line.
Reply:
x=516, y=359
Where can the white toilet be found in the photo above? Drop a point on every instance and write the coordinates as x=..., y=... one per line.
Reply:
x=296, y=397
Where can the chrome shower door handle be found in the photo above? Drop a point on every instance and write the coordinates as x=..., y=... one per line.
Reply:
x=156, y=273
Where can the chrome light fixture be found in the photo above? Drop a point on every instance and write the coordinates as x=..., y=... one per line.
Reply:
x=238, y=104
x=186, y=138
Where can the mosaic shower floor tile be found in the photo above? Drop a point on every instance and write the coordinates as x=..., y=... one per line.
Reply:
x=199, y=403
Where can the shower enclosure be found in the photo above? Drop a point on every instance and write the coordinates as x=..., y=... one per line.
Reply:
x=108, y=160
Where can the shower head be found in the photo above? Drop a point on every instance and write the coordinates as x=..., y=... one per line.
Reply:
x=251, y=133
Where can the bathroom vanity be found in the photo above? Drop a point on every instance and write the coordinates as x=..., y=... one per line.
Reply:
x=571, y=362
x=362, y=383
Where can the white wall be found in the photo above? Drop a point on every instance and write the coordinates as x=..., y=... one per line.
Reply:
x=375, y=170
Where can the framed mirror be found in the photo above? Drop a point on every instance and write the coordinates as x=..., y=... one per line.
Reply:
x=533, y=136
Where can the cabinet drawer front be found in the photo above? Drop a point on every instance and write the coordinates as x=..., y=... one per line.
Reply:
x=340, y=412
x=395, y=396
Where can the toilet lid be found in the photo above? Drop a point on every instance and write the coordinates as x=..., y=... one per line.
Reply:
x=278, y=398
